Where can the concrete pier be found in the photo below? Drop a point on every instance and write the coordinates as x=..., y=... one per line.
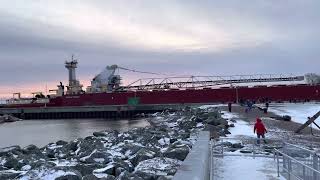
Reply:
x=108, y=112
x=197, y=164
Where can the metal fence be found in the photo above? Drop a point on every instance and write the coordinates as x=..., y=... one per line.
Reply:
x=293, y=162
x=297, y=162
x=221, y=147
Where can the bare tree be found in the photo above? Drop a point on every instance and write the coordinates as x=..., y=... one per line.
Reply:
x=312, y=78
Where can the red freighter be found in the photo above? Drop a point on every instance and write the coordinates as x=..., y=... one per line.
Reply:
x=107, y=98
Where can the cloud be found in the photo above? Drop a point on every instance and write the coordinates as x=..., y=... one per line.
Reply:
x=172, y=36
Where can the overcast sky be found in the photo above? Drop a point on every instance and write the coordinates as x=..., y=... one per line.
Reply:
x=185, y=37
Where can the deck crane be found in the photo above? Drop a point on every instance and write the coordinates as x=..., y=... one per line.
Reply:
x=108, y=81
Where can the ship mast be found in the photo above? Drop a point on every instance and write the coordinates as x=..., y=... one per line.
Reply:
x=74, y=86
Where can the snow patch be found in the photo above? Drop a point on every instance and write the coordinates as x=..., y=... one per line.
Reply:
x=86, y=157
x=99, y=160
x=54, y=146
x=241, y=128
x=199, y=125
x=211, y=106
x=63, y=163
x=171, y=125
x=101, y=175
x=103, y=169
x=47, y=174
x=3, y=161
x=26, y=168
x=164, y=141
x=229, y=115
x=158, y=166
x=299, y=112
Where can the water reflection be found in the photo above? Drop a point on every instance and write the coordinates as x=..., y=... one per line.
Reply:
x=42, y=132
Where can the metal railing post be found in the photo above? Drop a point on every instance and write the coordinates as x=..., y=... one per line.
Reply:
x=304, y=172
x=284, y=162
x=222, y=150
x=315, y=166
x=278, y=165
x=289, y=169
x=254, y=151
x=211, y=163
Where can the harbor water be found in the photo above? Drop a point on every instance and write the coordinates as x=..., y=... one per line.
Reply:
x=42, y=132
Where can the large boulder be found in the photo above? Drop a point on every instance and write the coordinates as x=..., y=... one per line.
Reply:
x=33, y=150
x=86, y=146
x=213, y=121
x=6, y=150
x=145, y=175
x=9, y=174
x=127, y=165
x=100, y=134
x=11, y=163
x=56, y=173
x=159, y=166
x=97, y=157
x=177, y=150
x=128, y=176
x=129, y=149
x=61, y=142
x=141, y=155
x=98, y=177
x=86, y=169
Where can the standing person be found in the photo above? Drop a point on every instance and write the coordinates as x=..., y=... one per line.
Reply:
x=229, y=106
x=249, y=106
x=266, y=108
x=260, y=129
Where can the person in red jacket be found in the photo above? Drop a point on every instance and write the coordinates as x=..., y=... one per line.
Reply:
x=260, y=129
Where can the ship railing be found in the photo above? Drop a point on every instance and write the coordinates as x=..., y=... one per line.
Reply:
x=207, y=81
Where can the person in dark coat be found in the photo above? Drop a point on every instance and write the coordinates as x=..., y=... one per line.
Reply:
x=229, y=106
x=260, y=129
x=265, y=110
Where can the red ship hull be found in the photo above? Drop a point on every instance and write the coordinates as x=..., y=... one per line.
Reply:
x=222, y=95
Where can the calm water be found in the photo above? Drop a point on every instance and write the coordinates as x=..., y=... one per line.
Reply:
x=42, y=132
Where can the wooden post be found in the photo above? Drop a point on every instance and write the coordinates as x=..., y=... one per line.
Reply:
x=310, y=120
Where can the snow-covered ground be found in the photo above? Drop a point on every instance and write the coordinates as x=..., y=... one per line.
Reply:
x=242, y=128
x=212, y=105
x=241, y=167
x=299, y=112
x=235, y=165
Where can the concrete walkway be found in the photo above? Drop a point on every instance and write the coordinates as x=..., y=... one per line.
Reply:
x=243, y=167
x=235, y=165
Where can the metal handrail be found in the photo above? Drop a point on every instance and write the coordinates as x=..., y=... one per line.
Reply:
x=283, y=154
x=312, y=152
x=315, y=172
x=295, y=168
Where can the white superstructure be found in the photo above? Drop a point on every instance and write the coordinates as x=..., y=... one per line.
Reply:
x=106, y=81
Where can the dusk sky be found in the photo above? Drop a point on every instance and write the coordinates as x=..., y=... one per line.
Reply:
x=180, y=37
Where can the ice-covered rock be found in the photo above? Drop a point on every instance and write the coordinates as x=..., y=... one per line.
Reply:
x=153, y=152
x=110, y=169
x=10, y=174
x=54, y=173
x=179, y=153
x=141, y=155
x=159, y=166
